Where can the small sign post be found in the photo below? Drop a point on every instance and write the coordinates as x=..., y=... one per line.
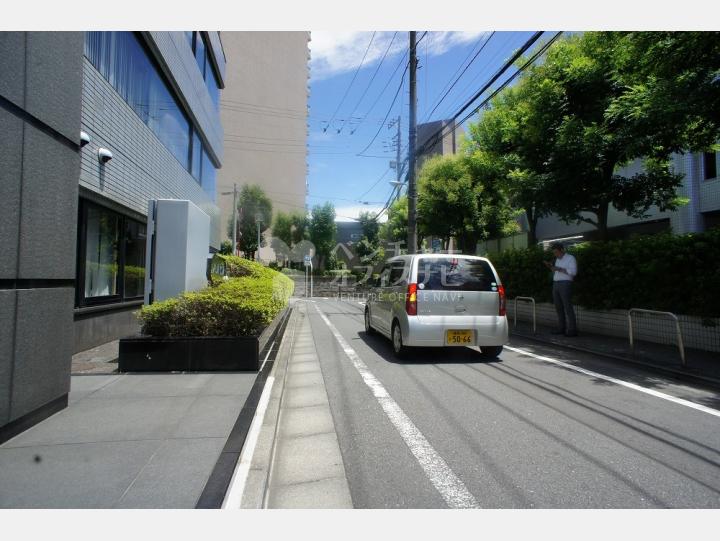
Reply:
x=307, y=260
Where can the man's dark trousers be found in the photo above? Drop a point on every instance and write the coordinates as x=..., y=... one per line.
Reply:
x=562, y=291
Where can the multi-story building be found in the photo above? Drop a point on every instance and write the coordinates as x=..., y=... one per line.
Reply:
x=264, y=111
x=94, y=125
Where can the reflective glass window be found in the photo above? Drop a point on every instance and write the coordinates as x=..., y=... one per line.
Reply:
x=124, y=62
x=134, y=261
x=101, y=252
x=197, y=153
x=208, y=175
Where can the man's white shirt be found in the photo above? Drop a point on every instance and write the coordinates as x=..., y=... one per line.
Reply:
x=568, y=263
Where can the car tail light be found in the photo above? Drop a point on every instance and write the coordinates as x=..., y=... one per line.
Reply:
x=411, y=300
x=503, y=304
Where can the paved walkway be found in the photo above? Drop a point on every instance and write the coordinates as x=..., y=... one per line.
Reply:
x=296, y=461
x=701, y=365
x=128, y=441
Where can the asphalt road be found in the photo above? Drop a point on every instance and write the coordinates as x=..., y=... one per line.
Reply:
x=444, y=428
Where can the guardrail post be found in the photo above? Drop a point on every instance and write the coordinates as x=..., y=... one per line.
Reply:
x=531, y=300
x=681, y=345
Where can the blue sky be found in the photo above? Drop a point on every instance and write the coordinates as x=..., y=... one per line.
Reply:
x=336, y=172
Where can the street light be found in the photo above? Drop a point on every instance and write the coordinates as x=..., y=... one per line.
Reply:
x=258, y=221
x=234, y=229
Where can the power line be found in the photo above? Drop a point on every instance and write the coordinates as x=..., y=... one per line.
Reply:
x=455, y=103
x=372, y=38
x=432, y=139
x=382, y=92
x=397, y=92
x=370, y=83
x=445, y=95
x=531, y=60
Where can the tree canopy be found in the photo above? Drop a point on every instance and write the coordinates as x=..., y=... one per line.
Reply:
x=322, y=232
x=252, y=202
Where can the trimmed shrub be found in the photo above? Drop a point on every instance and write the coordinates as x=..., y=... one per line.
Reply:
x=674, y=273
x=238, y=306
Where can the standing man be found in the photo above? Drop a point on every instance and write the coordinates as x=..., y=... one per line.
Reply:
x=564, y=271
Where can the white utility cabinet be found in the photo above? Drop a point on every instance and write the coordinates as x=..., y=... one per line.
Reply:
x=178, y=235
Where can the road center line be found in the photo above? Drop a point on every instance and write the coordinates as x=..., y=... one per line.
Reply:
x=449, y=485
x=627, y=384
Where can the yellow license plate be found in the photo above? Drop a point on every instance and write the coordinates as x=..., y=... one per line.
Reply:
x=459, y=337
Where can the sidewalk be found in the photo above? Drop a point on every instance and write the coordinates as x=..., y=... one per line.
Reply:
x=125, y=441
x=297, y=461
x=702, y=366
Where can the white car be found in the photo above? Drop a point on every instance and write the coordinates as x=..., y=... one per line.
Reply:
x=439, y=300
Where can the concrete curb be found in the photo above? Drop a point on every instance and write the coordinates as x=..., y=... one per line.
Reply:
x=259, y=473
x=297, y=461
x=678, y=374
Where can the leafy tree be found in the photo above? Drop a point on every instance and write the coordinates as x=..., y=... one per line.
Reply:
x=460, y=196
x=395, y=228
x=370, y=226
x=671, y=97
x=514, y=134
x=322, y=232
x=252, y=202
x=226, y=247
x=288, y=230
x=578, y=85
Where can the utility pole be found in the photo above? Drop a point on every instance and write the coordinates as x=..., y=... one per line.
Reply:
x=397, y=153
x=235, y=213
x=258, y=221
x=412, y=189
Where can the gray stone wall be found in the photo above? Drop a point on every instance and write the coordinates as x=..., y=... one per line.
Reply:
x=40, y=90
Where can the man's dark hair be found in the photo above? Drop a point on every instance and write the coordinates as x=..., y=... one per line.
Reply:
x=557, y=246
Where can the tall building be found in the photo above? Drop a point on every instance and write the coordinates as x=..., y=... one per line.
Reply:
x=264, y=111
x=443, y=142
x=95, y=124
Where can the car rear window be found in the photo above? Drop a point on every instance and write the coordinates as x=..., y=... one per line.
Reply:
x=456, y=274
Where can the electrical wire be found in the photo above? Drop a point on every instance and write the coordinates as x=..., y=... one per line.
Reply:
x=397, y=92
x=460, y=76
x=377, y=69
x=433, y=138
x=372, y=38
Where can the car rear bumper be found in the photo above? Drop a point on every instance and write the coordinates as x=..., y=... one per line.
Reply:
x=430, y=331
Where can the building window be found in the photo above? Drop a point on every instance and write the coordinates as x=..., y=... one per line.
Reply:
x=123, y=60
x=710, y=165
x=102, y=231
x=111, y=256
x=202, y=56
x=197, y=151
x=208, y=175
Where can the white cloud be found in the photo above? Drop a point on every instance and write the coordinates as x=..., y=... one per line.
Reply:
x=339, y=52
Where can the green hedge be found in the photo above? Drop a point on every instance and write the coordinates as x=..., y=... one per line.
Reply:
x=678, y=274
x=242, y=305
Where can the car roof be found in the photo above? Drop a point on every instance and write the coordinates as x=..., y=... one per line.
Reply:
x=435, y=256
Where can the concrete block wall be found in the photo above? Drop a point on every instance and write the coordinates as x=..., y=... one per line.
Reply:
x=142, y=167
x=40, y=90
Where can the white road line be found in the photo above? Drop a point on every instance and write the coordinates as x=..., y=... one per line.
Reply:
x=629, y=385
x=233, y=497
x=361, y=303
x=266, y=356
x=450, y=487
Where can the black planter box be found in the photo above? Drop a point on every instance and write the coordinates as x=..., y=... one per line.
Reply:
x=196, y=354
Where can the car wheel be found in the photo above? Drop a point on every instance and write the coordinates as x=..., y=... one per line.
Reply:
x=491, y=352
x=368, y=327
x=397, y=341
